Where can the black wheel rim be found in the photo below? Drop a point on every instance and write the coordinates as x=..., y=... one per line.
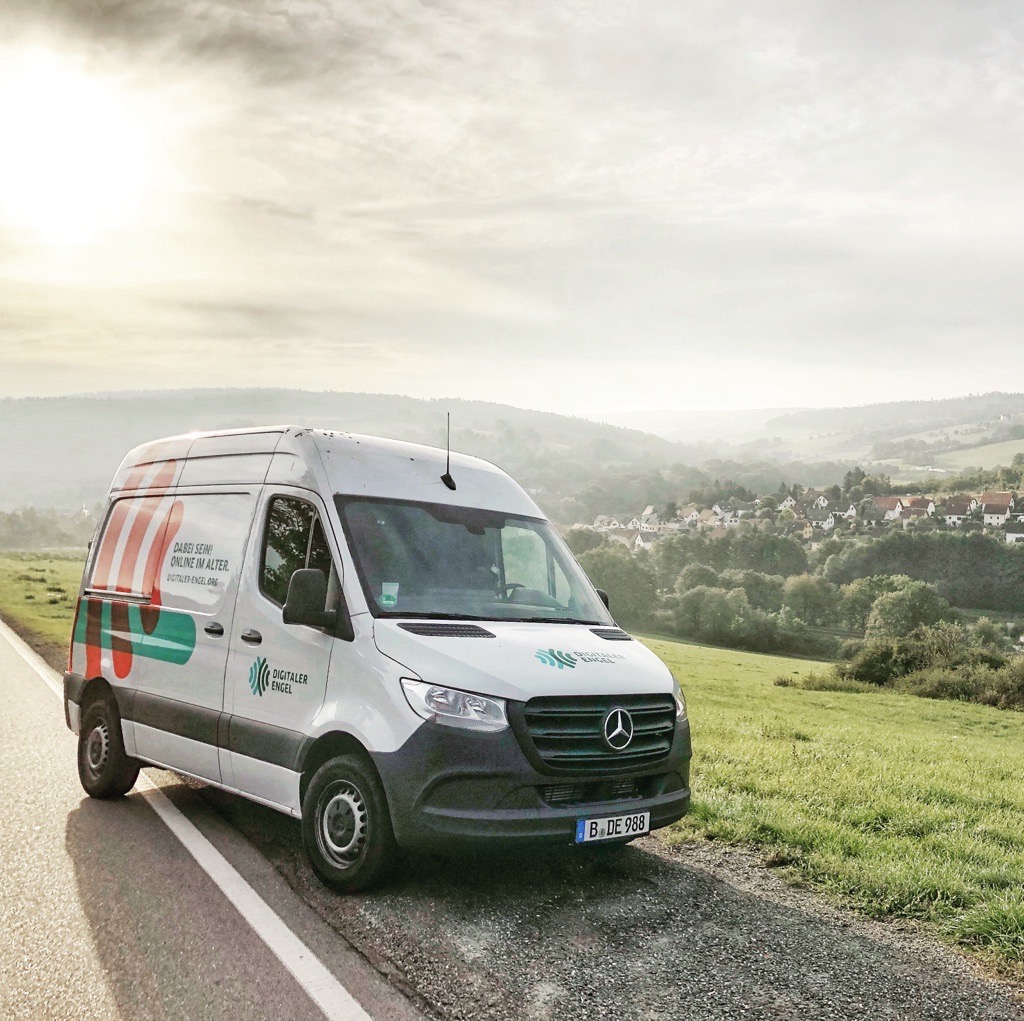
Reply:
x=97, y=748
x=342, y=824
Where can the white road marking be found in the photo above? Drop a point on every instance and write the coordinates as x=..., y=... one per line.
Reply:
x=336, y=1002
x=34, y=660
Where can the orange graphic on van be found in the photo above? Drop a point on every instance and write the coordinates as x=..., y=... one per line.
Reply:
x=138, y=535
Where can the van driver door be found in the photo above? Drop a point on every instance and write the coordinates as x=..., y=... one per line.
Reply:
x=276, y=673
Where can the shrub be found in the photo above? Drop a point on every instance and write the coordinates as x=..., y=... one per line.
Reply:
x=830, y=681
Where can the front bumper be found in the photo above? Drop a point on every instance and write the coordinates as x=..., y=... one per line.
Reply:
x=448, y=787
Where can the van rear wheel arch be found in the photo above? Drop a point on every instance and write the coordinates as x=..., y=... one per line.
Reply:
x=96, y=689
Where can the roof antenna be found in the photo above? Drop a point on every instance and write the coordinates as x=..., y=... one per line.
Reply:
x=447, y=477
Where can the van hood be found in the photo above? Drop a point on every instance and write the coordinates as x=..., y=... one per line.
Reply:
x=523, y=660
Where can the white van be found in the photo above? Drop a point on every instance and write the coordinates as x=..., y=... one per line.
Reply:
x=397, y=651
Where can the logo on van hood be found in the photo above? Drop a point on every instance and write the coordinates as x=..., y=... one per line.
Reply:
x=560, y=659
x=552, y=657
x=259, y=676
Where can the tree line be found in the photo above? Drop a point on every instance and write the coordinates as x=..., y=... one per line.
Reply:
x=766, y=593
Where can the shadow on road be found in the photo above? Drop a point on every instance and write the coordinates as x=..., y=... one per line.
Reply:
x=170, y=944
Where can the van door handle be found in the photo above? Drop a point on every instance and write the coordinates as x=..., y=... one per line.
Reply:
x=252, y=637
x=214, y=630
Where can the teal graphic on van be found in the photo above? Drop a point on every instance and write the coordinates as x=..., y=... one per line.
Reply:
x=129, y=630
x=552, y=657
x=259, y=676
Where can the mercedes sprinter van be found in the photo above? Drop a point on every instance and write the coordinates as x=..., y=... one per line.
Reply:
x=397, y=651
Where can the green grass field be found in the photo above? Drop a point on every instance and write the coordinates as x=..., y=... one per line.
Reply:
x=988, y=456
x=895, y=805
x=37, y=598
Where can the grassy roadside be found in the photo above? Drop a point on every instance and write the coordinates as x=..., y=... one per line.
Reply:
x=37, y=598
x=897, y=806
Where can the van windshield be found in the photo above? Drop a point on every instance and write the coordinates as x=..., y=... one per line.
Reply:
x=437, y=561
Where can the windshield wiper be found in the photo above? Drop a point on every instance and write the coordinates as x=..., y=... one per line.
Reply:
x=433, y=616
x=550, y=620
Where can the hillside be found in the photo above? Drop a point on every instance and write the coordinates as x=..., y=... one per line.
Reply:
x=909, y=440
x=62, y=452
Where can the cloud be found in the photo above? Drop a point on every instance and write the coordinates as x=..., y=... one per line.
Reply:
x=798, y=192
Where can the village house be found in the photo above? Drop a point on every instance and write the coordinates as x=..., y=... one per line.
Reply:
x=958, y=509
x=649, y=520
x=883, y=508
x=788, y=504
x=993, y=497
x=645, y=540
x=913, y=513
x=996, y=508
x=823, y=519
x=627, y=536
x=924, y=503
x=815, y=498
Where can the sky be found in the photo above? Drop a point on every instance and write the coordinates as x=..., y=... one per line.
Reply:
x=582, y=206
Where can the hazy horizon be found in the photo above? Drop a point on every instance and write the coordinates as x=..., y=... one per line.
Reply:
x=586, y=208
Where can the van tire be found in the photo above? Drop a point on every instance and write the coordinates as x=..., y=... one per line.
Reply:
x=104, y=768
x=346, y=825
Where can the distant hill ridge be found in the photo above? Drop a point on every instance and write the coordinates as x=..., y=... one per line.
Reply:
x=902, y=417
x=62, y=451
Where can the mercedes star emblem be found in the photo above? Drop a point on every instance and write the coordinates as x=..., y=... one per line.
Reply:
x=618, y=729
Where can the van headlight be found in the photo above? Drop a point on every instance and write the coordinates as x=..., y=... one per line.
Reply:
x=680, y=700
x=455, y=708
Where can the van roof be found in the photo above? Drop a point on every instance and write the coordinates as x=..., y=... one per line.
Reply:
x=328, y=462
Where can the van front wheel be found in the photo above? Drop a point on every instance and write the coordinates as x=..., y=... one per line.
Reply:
x=346, y=826
x=104, y=768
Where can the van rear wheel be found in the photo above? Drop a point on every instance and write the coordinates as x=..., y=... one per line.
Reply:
x=104, y=768
x=346, y=826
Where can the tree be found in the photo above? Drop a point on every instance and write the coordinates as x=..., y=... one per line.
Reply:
x=710, y=614
x=859, y=596
x=764, y=591
x=627, y=579
x=579, y=540
x=853, y=479
x=694, y=575
x=814, y=600
x=898, y=613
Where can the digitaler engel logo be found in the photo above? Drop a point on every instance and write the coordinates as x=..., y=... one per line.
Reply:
x=259, y=676
x=552, y=657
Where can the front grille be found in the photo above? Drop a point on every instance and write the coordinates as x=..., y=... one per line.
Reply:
x=448, y=630
x=623, y=789
x=566, y=732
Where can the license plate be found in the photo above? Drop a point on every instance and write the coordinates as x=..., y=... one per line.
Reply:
x=613, y=827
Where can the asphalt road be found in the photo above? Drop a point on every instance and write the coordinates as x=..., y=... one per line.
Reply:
x=106, y=915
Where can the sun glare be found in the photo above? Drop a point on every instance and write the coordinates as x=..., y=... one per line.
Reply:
x=73, y=151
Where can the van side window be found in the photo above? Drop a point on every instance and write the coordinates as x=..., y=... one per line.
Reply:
x=294, y=538
x=183, y=552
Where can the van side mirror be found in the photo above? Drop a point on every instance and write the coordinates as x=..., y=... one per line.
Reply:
x=307, y=596
x=604, y=597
